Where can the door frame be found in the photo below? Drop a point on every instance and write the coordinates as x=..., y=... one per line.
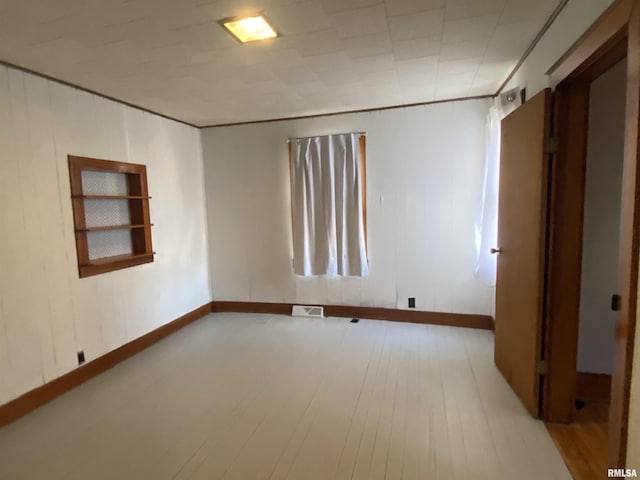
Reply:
x=614, y=36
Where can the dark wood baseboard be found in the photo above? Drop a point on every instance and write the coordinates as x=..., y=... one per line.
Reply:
x=484, y=322
x=39, y=396
x=595, y=387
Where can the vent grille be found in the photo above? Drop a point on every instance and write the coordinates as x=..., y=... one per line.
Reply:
x=307, y=311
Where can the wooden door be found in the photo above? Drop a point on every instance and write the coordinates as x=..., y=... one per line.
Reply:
x=522, y=221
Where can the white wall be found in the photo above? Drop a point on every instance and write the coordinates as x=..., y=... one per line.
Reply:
x=601, y=235
x=47, y=313
x=424, y=170
x=573, y=21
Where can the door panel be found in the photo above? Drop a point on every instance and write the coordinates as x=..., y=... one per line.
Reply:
x=522, y=220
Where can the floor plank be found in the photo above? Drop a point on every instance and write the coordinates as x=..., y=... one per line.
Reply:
x=584, y=444
x=243, y=397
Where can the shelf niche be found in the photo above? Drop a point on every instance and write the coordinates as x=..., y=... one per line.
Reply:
x=111, y=214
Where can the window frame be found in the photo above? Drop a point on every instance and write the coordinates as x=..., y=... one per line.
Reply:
x=138, y=203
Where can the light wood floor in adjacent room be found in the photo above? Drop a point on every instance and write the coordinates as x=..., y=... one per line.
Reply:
x=246, y=397
x=585, y=443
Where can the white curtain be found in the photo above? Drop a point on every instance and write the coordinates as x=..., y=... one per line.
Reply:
x=327, y=206
x=486, y=224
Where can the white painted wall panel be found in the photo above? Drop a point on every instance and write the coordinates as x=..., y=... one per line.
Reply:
x=47, y=313
x=424, y=171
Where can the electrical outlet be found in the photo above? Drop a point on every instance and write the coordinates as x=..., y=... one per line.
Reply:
x=412, y=302
x=80, y=357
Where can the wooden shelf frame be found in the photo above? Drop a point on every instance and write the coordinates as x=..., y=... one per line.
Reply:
x=108, y=228
x=139, y=212
x=111, y=197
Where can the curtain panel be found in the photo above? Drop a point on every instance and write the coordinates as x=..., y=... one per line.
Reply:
x=328, y=206
x=486, y=222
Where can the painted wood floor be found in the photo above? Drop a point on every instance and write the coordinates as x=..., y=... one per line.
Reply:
x=237, y=396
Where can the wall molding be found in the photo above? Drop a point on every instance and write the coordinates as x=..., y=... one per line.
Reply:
x=484, y=322
x=37, y=397
x=92, y=92
x=543, y=31
x=348, y=112
x=595, y=387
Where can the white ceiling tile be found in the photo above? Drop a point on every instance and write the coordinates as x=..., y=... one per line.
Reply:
x=523, y=10
x=407, y=7
x=417, y=66
x=459, y=9
x=206, y=36
x=390, y=93
x=498, y=70
x=337, y=6
x=375, y=63
x=463, y=50
x=417, y=47
x=510, y=40
x=338, y=77
x=174, y=58
x=328, y=61
x=283, y=59
x=485, y=85
x=470, y=28
x=363, y=21
x=468, y=66
x=483, y=89
x=296, y=76
x=314, y=43
x=381, y=78
x=415, y=82
x=425, y=94
x=368, y=45
x=447, y=92
x=310, y=87
x=455, y=79
x=302, y=17
x=424, y=24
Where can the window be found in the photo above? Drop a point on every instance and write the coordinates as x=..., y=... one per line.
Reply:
x=328, y=206
x=110, y=214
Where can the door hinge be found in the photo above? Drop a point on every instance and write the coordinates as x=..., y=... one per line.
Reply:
x=542, y=367
x=551, y=145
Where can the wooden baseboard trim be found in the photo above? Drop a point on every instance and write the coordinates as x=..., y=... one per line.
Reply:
x=483, y=322
x=595, y=387
x=39, y=396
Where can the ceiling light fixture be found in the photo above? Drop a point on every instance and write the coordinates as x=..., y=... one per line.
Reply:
x=249, y=29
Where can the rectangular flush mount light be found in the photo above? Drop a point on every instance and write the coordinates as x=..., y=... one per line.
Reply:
x=249, y=29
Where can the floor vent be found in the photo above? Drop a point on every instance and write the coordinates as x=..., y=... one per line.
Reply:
x=307, y=311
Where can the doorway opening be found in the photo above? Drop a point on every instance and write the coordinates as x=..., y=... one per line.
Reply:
x=584, y=443
x=614, y=37
x=545, y=153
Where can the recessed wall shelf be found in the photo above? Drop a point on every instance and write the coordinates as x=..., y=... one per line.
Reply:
x=114, y=227
x=111, y=214
x=111, y=197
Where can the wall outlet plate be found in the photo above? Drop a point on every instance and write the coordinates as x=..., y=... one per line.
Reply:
x=412, y=302
x=80, y=357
